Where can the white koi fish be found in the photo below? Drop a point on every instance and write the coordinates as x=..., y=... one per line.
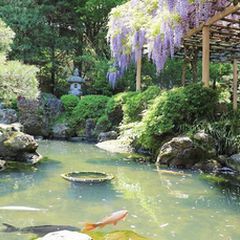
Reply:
x=21, y=208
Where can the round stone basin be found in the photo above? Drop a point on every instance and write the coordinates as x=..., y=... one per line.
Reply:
x=88, y=177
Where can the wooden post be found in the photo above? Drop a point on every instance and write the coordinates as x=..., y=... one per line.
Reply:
x=235, y=84
x=206, y=55
x=184, y=69
x=138, y=75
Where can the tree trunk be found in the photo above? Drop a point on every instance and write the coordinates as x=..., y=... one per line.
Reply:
x=138, y=75
x=235, y=85
x=53, y=70
x=194, y=64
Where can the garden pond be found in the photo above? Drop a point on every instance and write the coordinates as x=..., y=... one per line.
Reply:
x=161, y=206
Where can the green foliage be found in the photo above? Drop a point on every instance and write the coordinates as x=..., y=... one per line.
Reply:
x=69, y=102
x=7, y=36
x=139, y=102
x=103, y=124
x=226, y=132
x=53, y=34
x=171, y=75
x=17, y=79
x=176, y=107
x=12, y=103
x=91, y=106
x=114, y=111
x=95, y=69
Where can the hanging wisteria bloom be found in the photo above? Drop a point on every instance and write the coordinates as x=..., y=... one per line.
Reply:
x=153, y=27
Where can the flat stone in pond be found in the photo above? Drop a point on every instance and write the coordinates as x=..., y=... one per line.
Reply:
x=115, y=146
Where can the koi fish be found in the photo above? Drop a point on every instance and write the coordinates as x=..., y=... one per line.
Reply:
x=39, y=230
x=114, y=218
x=21, y=208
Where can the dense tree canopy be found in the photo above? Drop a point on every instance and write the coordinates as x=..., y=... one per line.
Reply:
x=55, y=35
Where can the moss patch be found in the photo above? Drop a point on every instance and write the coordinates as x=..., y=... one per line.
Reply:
x=213, y=178
x=117, y=235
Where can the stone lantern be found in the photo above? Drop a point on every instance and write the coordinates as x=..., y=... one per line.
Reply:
x=75, y=83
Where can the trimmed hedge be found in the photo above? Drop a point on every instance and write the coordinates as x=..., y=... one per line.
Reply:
x=91, y=106
x=69, y=102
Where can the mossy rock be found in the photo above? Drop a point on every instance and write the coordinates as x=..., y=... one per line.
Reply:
x=117, y=235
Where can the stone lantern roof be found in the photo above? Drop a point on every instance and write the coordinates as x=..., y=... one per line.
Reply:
x=75, y=78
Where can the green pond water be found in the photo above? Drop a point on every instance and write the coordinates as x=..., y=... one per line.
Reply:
x=161, y=206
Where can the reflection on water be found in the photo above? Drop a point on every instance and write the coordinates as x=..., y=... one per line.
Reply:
x=92, y=192
x=161, y=206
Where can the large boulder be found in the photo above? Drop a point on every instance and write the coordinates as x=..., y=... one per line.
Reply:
x=105, y=136
x=234, y=162
x=180, y=152
x=65, y=235
x=210, y=165
x=19, y=141
x=61, y=131
x=206, y=142
x=16, y=145
x=8, y=116
x=38, y=115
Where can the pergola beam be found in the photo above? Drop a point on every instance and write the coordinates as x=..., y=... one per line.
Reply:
x=219, y=26
x=214, y=19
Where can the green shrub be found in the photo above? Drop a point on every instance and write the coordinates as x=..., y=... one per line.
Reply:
x=69, y=102
x=91, y=106
x=12, y=104
x=175, y=108
x=17, y=79
x=103, y=124
x=137, y=103
x=114, y=108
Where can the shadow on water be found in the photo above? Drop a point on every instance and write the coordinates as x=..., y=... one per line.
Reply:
x=92, y=192
x=229, y=187
x=18, y=177
x=231, y=190
x=120, y=162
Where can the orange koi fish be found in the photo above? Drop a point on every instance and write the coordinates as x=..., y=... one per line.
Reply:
x=114, y=218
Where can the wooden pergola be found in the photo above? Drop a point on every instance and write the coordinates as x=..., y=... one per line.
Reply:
x=218, y=40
